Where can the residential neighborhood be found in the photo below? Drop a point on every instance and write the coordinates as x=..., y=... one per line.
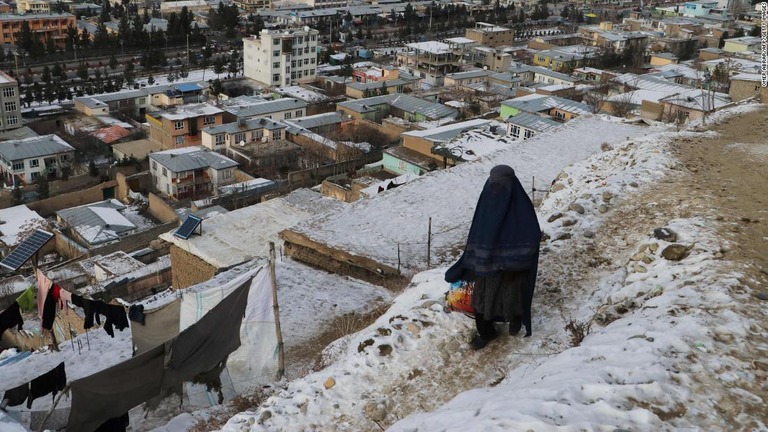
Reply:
x=275, y=189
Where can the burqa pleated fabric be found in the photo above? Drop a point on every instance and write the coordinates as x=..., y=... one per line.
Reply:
x=502, y=251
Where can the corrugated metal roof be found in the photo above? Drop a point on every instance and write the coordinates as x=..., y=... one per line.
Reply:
x=318, y=120
x=110, y=134
x=267, y=107
x=477, y=73
x=375, y=85
x=534, y=122
x=403, y=102
x=191, y=158
x=45, y=145
x=187, y=87
x=250, y=124
x=537, y=103
x=98, y=222
x=444, y=133
x=91, y=102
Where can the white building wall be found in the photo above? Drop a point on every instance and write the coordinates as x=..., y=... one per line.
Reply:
x=265, y=61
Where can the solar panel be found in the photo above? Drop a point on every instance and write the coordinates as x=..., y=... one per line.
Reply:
x=26, y=249
x=188, y=227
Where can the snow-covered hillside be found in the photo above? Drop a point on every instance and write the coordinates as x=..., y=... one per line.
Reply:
x=659, y=312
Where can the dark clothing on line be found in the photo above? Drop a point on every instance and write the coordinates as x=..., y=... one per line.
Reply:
x=115, y=424
x=114, y=391
x=50, y=382
x=115, y=314
x=49, y=311
x=136, y=314
x=17, y=396
x=11, y=317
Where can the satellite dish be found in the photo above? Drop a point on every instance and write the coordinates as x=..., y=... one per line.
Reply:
x=263, y=139
x=242, y=143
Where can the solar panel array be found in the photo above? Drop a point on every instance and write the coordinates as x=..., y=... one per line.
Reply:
x=188, y=227
x=26, y=249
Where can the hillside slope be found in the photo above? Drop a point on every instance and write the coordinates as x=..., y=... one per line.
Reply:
x=676, y=340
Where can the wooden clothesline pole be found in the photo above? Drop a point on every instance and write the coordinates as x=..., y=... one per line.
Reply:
x=55, y=402
x=276, y=309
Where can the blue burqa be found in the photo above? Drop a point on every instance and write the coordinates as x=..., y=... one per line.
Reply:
x=504, y=236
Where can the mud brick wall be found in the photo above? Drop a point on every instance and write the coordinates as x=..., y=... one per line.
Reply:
x=188, y=269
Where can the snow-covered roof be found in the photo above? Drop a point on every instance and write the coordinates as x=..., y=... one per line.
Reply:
x=183, y=112
x=262, y=108
x=17, y=220
x=536, y=103
x=475, y=143
x=373, y=228
x=448, y=132
x=432, y=47
x=401, y=101
x=238, y=236
x=534, y=122
x=191, y=158
x=247, y=125
x=476, y=73
x=99, y=222
x=698, y=99
x=302, y=93
x=460, y=40
x=318, y=120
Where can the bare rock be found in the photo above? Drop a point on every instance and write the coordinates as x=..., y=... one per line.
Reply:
x=569, y=222
x=385, y=350
x=554, y=217
x=639, y=269
x=653, y=247
x=329, y=383
x=665, y=234
x=563, y=236
x=578, y=208
x=375, y=411
x=602, y=208
x=588, y=234
x=413, y=328
x=674, y=252
x=607, y=196
x=557, y=187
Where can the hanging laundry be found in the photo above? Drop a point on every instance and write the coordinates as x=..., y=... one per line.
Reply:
x=49, y=311
x=115, y=314
x=11, y=317
x=43, y=286
x=65, y=297
x=17, y=396
x=26, y=300
x=136, y=313
x=50, y=382
x=115, y=424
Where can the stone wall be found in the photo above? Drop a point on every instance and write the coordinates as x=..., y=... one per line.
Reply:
x=188, y=269
x=160, y=210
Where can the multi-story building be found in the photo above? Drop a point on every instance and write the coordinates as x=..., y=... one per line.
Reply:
x=430, y=61
x=190, y=172
x=254, y=5
x=44, y=26
x=23, y=161
x=182, y=126
x=278, y=109
x=10, y=103
x=490, y=35
x=33, y=6
x=243, y=132
x=281, y=57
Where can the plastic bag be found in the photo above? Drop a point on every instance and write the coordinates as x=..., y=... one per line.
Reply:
x=459, y=297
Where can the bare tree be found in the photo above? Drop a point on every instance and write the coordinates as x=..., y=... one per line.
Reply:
x=675, y=115
x=596, y=98
x=622, y=105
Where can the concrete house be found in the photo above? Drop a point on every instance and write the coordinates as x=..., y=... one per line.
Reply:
x=278, y=109
x=10, y=103
x=23, y=161
x=190, y=172
x=526, y=125
x=181, y=126
x=98, y=223
x=403, y=106
x=243, y=132
x=281, y=57
x=553, y=106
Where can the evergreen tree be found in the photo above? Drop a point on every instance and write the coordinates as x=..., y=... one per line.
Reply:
x=46, y=75
x=82, y=71
x=217, y=87
x=218, y=66
x=112, y=62
x=234, y=66
x=42, y=186
x=25, y=39
x=93, y=170
x=17, y=196
x=150, y=79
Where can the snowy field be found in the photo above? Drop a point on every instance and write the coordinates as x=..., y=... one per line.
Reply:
x=655, y=323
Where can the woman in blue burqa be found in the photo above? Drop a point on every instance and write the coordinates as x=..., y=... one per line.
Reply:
x=501, y=256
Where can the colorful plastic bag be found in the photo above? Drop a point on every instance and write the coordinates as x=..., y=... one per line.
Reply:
x=459, y=297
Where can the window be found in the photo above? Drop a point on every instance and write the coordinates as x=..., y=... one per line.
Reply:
x=64, y=157
x=293, y=75
x=275, y=41
x=209, y=120
x=515, y=131
x=276, y=65
x=299, y=113
x=154, y=166
x=311, y=72
x=276, y=53
x=276, y=78
x=9, y=92
x=34, y=175
x=312, y=60
x=293, y=63
x=256, y=135
x=306, y=61
x=178, y=124
x=560, y=115
x=239, y=137
x=34, y=163
x=180, y=140
x=165, y=172
x=10, y=106
x=313, y=38
x=18, y=166
x=306, y=50
x=220, y=139
x=142, y=101
x=528, y=134
x=276, y=135
x=168, y=189
x=300, y=39
x=287, y=116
